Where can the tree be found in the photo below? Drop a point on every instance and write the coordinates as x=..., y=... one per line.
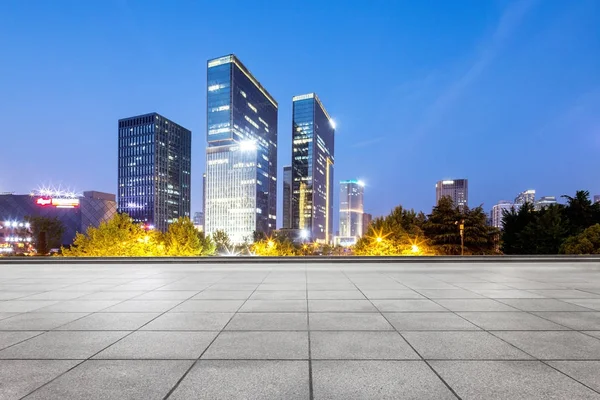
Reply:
x=277, y=246
x=208, y=246
x=399, y=233
x=545, y=232
x=222, y=241
x=46, y=233
x=580, y=212
x=442, y=229
x=587, y=242
x=117, y=237
x=181, y=239
x=514, y=222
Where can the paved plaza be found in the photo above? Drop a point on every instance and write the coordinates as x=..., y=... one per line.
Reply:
x=300, y=331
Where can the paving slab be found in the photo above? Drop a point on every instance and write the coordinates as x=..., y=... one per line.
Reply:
x=508, y=380
x=340, y=306
x=574, y=320
x=566, y=345
x=21, y=377
x=9, y=338
x=159, y=345
x=268, y=322
x=517, y=320
x=259, y=345
x=429, y=321
x=377, y=380
x=586, y=372
x=335, y=295
x=109, y=322
x=218, y=306
x=56, y=345
x=348, y=322
x=360, y=346
x=390, y=294
x=279, y=295
x=592, y=304
x=542, y=305
x=223, y=295
x=143, y=306
x=407, y=305
x=115, y=379
x=38, y=321
x=462, y=346
x=243, y=379
x=189, y=321
x=474, y=305
x=274, y=306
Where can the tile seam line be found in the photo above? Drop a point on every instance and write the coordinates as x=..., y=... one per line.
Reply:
x=406, y=341
x=186, y=373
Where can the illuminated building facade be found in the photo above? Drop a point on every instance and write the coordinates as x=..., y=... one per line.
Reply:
x=527, y=196
x=76, y=213
x=544, y=202
x=312, y=168
x=597, y=198
x=498, y=212
x=241, y=153
x=456, y=189
x=287, y=197
x=351, y=208
x=154, y=170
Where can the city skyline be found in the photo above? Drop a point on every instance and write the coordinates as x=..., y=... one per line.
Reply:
x=452, y=127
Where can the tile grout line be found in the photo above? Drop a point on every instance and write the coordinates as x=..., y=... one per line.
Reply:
x=185, y=374
x=407, y=342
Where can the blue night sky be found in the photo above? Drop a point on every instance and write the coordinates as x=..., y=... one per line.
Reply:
x=506, y=94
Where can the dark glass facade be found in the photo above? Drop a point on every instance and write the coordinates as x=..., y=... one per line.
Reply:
x=312, y=168
x=287, y=197
x=241, y=155
x=154, y=170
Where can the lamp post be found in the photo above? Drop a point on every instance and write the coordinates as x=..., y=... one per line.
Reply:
x=461, y=227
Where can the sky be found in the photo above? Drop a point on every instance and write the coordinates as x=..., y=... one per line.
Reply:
x=503, y=93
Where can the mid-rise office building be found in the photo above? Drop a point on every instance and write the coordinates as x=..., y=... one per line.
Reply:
x=456, y=189
x=287, y=197
x=241, y=153
x=154, y=171
x=544, y=202
x=351, y=208
x=498, y=212
x=367, y=218
x=527, y=196
x=75, y=212
x=312, y=168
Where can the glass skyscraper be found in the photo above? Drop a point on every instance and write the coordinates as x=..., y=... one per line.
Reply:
x=287, y=197
x=154, y=170
x=312, y=168
x=351, y=208
x=457, y=190
x=241, y=153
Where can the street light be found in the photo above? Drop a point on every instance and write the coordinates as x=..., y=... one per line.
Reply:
x=461, y=227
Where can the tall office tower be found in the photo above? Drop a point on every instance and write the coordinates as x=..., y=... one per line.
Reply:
x=367, y=218
x=351, y=208
x=497, y=212
x=204, y=200
x=154, y=170
x=544, y=202
x=312, y=168
x=457, y=190
x=528, y=196
x=241, y=153
x=597, y=198
x=287, y=197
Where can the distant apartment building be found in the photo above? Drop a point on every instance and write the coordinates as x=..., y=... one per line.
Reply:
x=456, y=189
x=597, y=198
x=527, y=196
x=312, y=168
x=154, y=170
x=498, y=211
x=287, y=197
x=544, y=202
x=351, y=208
x=241, y=152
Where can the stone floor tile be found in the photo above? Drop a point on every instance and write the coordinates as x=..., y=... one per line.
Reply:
x=358, y=380
x=592, y=304
x=86, y=306
x=508, y=380
x=429, y=321
x=20, y=377
x=575, y=320
x=340, y=306
x=407, y=305
x=218, y=306
x=542, y=305
x=109, y=322
x=462, y=346
x=567, y=345
x=586, y=372
x=241, y=379
x=62, y=345
x=22, y=306
x=348, y=322
x=143, y=306
x=489, y=305
x=387, y=294
x=167, y=295
x=38, y=321
x=223, y=295
x=359, y=345
x=513, y=320
x=161, y=345
x=189, y=321
x=268, y=322
x=335, y=295
x=274, y=306
x=9, y=338
x=116, y=379
x=259, y=345
x=449, y=294
x=279, y=295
